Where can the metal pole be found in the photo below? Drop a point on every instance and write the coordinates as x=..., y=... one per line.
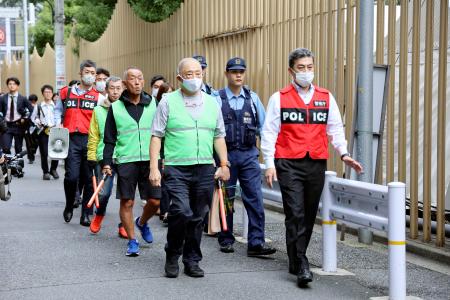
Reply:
x=60, y=60
x=365, y=87
x=329, y=260
x=25, y=46
x=396, y=241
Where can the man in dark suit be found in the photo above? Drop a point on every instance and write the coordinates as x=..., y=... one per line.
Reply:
x=16, y=110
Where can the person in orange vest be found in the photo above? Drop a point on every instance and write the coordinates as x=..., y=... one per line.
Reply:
x=299, y=120
x=75, y=109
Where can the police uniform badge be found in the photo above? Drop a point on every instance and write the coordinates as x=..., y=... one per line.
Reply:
x=237, y=61
x=247, y=118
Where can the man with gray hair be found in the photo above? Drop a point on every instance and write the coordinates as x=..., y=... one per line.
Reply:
x=114, y=89
x=75, y=108
x=192, y=124
x=299, y=120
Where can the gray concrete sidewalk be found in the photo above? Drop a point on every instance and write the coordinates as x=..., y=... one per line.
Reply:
x=41, y=257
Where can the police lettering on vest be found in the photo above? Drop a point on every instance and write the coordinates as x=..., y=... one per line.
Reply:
x=303, y=127
x=78, y=109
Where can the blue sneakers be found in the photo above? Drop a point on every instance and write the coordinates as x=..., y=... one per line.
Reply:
x=133, y=248
x=145, y=231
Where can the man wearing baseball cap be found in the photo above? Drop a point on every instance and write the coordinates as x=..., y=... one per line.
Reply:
x=206, y=88
x=243, y=115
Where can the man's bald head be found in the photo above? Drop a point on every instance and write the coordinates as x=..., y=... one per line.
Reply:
x=188, y=64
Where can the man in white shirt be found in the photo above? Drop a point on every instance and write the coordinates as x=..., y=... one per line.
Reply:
x=44, y=118
x=299, y=120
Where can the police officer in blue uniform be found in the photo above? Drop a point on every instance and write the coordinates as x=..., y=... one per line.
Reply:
x=206, y=88
x=243, y=115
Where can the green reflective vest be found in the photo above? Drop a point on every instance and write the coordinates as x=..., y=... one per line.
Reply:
x=133, y=139
x=100, y=115
x=189, y=141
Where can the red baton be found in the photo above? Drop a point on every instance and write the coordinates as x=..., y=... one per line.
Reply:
x=96, y=191
x=222, y=208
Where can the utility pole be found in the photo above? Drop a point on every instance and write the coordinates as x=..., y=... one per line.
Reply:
x=25, y=46
x=60, y=60
x=365, y=91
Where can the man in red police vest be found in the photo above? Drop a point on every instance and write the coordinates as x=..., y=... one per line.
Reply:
x=299, y=120
x=76, y=107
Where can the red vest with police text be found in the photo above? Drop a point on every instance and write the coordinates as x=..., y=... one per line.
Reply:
x=303, y=127
x=78, y=109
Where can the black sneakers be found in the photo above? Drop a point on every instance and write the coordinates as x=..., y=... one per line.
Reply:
x=261, y=250
x=54, y=174
x=227, y=248
x=193, y=271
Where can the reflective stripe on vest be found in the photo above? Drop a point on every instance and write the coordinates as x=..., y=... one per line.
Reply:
x=303, y=127
x=100, y=116
x=133, y=139
x=189, y=141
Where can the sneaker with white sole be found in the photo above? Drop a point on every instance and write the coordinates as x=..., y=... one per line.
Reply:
x=133, y=248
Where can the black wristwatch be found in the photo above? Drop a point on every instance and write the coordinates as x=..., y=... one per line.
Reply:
x=344, y=155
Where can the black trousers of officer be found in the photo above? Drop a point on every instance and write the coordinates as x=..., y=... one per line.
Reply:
x=77, y=169
x=16, y=132
x=43, y=149
x=301, y=183
x=190, y=190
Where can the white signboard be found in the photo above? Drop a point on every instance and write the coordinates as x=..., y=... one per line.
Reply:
x=10, y=12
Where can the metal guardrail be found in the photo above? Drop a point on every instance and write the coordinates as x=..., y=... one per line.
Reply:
x=370, y=205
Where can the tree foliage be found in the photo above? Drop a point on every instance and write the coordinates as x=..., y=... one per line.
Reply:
x=154, y=10
x=87, y=19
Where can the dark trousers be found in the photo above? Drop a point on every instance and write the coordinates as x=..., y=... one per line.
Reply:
x=32, y=143
x=15, y=132
x=43, y=149
x=190, y=190
x=105, y=192
x=301, y=183
x=245, y=168
x=165, y=200
x=77, y=169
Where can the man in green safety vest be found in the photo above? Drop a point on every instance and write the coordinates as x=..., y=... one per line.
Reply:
x=114, y=88
x=192, y=124
x=127, y=141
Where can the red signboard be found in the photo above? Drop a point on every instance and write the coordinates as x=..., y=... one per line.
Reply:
x=2, y=35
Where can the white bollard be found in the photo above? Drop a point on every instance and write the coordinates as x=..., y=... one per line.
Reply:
x=396, y=241
x=329, y=260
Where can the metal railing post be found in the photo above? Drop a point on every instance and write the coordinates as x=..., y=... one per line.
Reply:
x=396, y=241
x=329, y=260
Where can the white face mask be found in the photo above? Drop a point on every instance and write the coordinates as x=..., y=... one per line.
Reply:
x=100, y=85
x=304, y=79
x=88, y=79
x=155, y=92
x=193, y=85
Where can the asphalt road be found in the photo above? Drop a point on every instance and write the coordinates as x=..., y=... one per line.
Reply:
x=41, y=257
